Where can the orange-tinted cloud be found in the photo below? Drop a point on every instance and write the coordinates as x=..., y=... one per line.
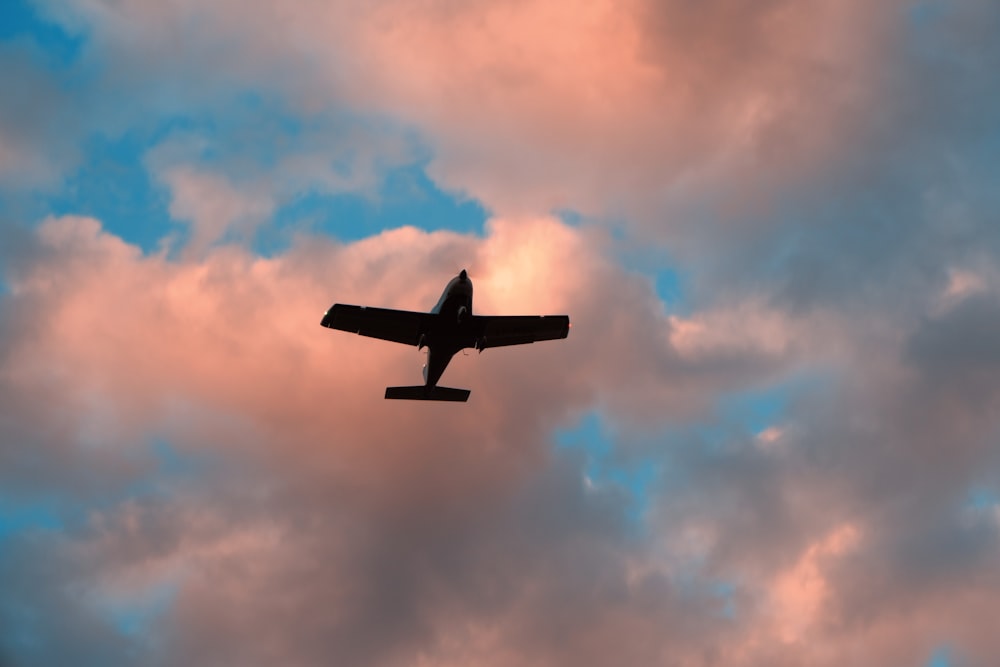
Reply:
x=298, y=468
x=608, y=108
x=315, y=519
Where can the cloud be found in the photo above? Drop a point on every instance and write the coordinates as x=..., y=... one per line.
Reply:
x=294, y=454
x=228, y=184
x=956, y=349
x=797, y=594
x=109, y=317
x=213, y=205
x=308, y=518
x=606, y=108
x=215, y=463
x=37, y=128
x=812, y=154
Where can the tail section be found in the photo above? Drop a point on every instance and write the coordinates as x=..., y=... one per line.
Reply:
x=424, y=393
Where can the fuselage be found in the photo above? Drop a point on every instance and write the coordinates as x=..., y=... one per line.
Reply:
x=449, y=335
x=457, y=295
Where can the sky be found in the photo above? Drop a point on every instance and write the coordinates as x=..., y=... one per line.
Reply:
x=771, y=438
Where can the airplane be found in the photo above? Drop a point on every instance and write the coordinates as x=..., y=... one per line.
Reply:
x=449, y=327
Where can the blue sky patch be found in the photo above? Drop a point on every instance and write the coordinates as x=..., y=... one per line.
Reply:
x=113, y=185
x=19, y=20
x=18, y=517
x=726, y=592
x=670, y=288
x=607, y=464
x=407, y=197
x=133, y=615
x=925, y=13
x=982, y=498
x=941, y=657
x=756, y=409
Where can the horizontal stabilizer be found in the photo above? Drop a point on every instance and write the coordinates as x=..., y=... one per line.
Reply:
x=425, y=393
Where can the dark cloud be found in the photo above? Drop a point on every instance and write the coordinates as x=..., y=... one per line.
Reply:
x=907, y=194
x=957, y=353
x=39, y=124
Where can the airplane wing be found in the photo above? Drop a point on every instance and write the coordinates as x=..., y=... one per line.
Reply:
x=501, y=330
x=398, y=326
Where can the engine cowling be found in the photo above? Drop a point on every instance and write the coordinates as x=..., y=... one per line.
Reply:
x=461, y=313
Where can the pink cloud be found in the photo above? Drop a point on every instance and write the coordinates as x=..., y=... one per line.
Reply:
x=321, y=520
x=224, y=358
x=236, y=332
x=613, y=107
x=608, y=108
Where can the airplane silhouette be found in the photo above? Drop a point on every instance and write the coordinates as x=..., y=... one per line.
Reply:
x=448, y=328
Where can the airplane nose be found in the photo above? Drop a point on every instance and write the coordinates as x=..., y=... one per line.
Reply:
x=463, y=275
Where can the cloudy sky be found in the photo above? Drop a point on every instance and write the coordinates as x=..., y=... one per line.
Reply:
x=772, y=437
